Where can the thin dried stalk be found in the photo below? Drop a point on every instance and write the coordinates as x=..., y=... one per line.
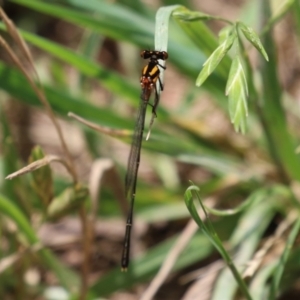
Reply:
x=38, y=164
x=12, y=30
x=39, y=92
x=102, y=129
x=255, y=263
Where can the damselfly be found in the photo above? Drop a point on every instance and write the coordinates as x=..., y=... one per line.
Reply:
x=149, y=78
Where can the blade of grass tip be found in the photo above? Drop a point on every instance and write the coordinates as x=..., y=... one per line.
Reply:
x=161, y=44
x=162, y=27
x=283, y=260
x=280, y=141
x=162, y=33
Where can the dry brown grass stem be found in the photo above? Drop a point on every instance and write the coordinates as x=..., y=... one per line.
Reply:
x=102, y=129
x=38, y=164
x=37, y=89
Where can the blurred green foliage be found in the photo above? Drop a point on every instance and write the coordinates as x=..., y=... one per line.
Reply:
x=262, y=165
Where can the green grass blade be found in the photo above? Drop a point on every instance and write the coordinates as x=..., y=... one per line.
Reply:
x=111, y=80
x=115, y=21
x=13, y=82
x=110, y=22
x=280, y=142
x=162, y=27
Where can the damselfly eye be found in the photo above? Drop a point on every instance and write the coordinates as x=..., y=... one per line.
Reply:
x=143, y=53
x=165, y=55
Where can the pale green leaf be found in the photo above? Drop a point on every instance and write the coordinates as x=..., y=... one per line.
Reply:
x=253, y=38
x=215, y=58
x=237, y=91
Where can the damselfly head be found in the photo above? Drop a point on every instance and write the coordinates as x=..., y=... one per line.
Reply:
x=154, y=55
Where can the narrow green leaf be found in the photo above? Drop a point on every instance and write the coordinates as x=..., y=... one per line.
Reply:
x=215, y=58
x=12, y=81
x=118, y=23
x=253, y=38
x=237, y=91
x=162, y=26
x=161, y=37
x=281, y=142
